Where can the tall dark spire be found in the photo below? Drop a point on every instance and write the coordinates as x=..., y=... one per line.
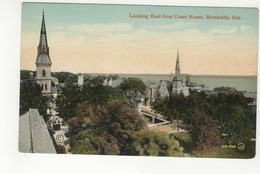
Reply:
x=43, y=56
x=177, y=67
x=43, y=44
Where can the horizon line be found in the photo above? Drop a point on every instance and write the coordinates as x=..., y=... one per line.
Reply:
x=114, y=73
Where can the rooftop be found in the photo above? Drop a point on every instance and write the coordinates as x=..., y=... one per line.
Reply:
x=34, y=136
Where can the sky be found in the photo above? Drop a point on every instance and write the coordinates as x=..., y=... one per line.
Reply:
x=89, y=38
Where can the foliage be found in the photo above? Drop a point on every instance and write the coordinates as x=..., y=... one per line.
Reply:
x=65, y=77
x=204, y=133
x=101, y=120
x=117, y=129
x=173, y=108
x=236, y=125
x=230, y=99
x=93, y=92
x=25, y=74
x=157, y=144
x=113, y=77
x=227, y=114
x=93, y=142
x=196, y=102
x=235, y=117
x=68, y=98
x=31, y=97
x=218, y=152
x=133, y=85
x=134, y=89
x=105, y=130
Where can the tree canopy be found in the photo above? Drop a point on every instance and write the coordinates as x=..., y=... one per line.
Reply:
x=117, y=129
x=205, y=133
x=211, y=117
x=68, y=98
x=65, y=77
x=31, y=97
x=108, y=129
x=157, y=144
x=133, y=85
x=93, y=91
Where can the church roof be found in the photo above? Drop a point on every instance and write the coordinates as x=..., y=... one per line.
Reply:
x=167, y=83
x=34, y=136
x=43, y=59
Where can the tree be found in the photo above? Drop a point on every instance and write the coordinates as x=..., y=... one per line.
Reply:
x=121, y=122
x=133, y=88
x=68, y=99
x=65, y=77
x=113, y=77
x=31, y=97
x=236, y=125
x=157, y=144
x=160, y=105
x=176, y=108
x=204, y=133
x=94, y=142
x=234, y=117
x=133, y=85
x=25, y=74
x=173, y=108
x=196, y=102
x=107, y=128
x=192, y=110
x=95, y=92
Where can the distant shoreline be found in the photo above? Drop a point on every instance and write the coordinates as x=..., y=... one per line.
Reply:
x=138, y=74
x=192, y=75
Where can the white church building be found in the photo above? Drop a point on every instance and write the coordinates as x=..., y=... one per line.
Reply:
x=43, y=63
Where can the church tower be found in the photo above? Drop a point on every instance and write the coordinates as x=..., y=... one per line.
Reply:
x=43, y=62
x=176, y=81
x=177, y=67
x=177, y=84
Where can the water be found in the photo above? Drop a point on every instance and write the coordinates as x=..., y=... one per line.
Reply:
x=241, y=83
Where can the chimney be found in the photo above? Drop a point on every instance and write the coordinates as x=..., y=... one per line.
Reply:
x=80, y=79
x=31, y=75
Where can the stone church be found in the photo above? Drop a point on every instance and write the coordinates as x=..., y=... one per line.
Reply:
x=43, y=63
x=166, y=87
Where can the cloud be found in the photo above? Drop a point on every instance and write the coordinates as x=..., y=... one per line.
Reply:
x=175, y=26
x=244, y=28
x=224, y=30
x=101, y=28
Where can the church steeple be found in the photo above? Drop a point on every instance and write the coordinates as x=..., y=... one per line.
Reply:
x=43, y=62
x=177, y=67
x=43, y=44
x=43, y=56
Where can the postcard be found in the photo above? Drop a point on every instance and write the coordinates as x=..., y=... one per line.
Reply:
x=138, y=80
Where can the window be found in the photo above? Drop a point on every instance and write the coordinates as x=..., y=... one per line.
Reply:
x=42, y=86
x=43, y=73
x=46, y=87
